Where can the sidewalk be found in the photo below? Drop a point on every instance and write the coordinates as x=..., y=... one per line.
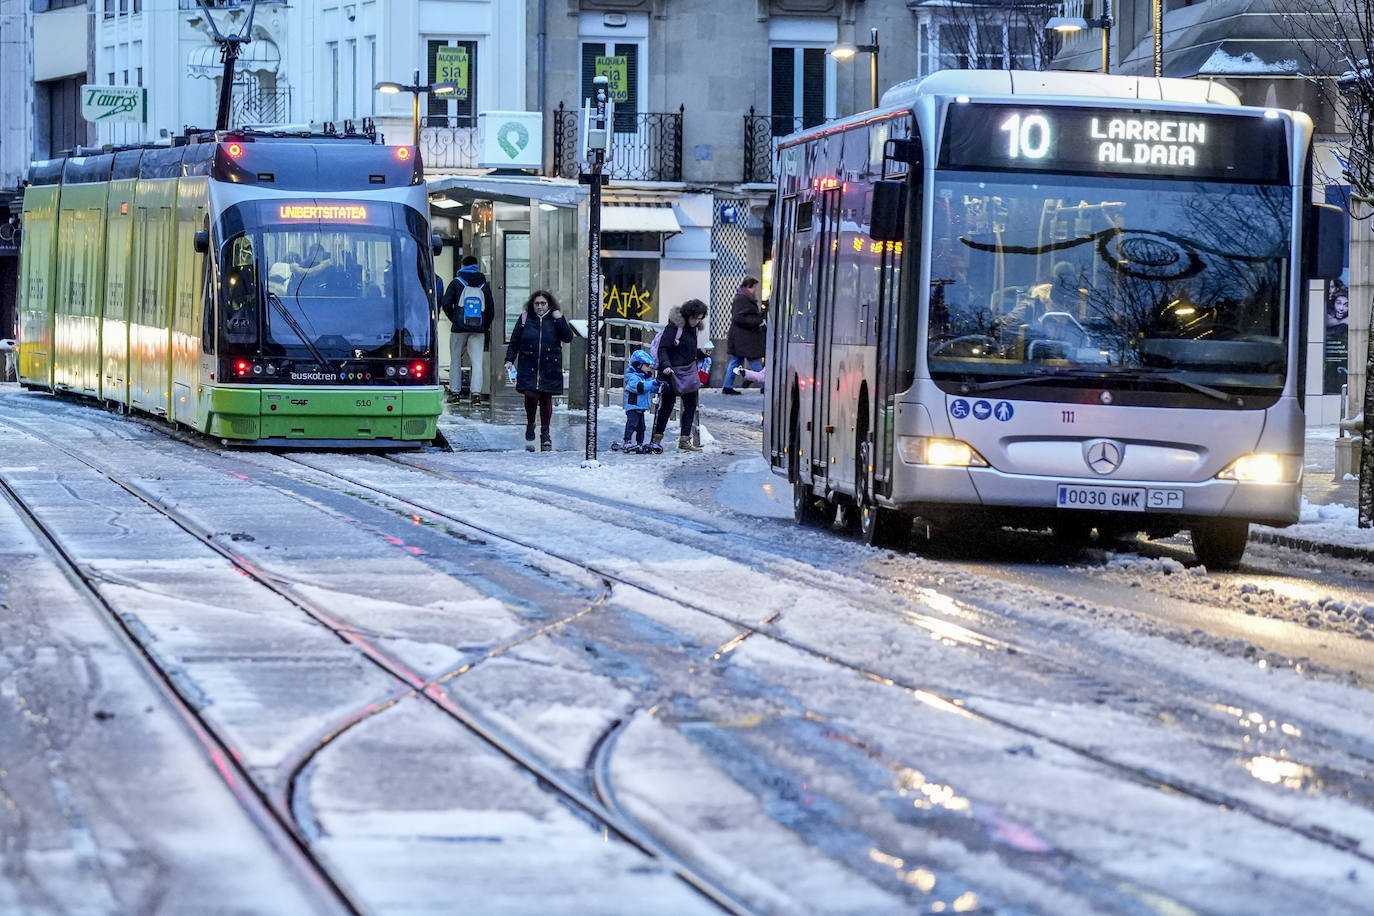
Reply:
x=1329, y=521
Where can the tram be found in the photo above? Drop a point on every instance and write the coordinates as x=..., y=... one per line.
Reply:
x=270, y=290
x=1046, y=299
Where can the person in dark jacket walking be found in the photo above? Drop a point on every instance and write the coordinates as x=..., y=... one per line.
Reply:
x=536, y=353
x=677, y=358
x=747, y=339
x=470, y=309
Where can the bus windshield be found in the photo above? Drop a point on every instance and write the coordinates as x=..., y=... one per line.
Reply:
x=328, y=288
x=1040, y=275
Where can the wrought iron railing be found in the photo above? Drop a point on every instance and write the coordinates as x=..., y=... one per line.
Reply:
x=449, y=147
x=252, y=107
x=760, y=132
x=223, y=4
x=651, y=151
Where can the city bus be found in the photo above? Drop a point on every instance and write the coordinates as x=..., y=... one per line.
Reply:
x=1050, y=300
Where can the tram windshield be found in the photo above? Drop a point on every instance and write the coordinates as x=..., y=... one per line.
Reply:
x=1043, y=275
x=327, y=279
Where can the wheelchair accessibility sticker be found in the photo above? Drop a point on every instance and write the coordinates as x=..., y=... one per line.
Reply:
x=981, y=410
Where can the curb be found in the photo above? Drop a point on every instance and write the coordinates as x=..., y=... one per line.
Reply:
x=1339, y=551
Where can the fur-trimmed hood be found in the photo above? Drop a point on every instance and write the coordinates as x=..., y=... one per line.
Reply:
x=675, y=317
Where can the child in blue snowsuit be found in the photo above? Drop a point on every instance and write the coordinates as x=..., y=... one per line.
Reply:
x=640, y=386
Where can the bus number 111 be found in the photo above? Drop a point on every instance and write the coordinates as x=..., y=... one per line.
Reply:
x=1029, y=136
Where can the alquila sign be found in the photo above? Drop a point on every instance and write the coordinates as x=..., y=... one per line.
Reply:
x=114, y=103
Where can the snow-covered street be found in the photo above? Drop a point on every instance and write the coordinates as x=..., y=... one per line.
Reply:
x=491, y=680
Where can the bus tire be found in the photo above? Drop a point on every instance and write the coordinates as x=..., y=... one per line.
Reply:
x=883, y=527
x=1219, y=543
x=809, y=509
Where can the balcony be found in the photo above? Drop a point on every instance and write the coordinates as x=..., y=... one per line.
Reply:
x=760, y=132
x=444, y=147
x=260, y=107
x=645, y=146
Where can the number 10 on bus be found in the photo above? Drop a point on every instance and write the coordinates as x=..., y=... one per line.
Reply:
x=1029, y=136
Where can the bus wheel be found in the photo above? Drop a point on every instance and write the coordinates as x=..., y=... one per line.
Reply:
x=1220, y=543
x=883, y=527
x=809, y=509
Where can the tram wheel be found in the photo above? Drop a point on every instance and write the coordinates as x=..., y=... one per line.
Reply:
x=809, y=509
x=1219, y=543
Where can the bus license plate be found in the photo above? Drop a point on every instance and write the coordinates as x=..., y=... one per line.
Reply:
x=1116, y=499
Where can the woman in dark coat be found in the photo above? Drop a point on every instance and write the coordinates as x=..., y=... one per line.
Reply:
x=535, y=352
x=747, y=339
x=678, y=354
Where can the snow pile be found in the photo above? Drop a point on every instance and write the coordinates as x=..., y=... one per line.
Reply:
x=1334, y=524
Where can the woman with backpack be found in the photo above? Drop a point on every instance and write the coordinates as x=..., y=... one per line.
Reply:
x=676, y=361
x=535, y=352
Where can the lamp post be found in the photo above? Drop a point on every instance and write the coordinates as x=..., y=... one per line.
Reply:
x=1067, y=24
x=386, y=87
x=846, y=51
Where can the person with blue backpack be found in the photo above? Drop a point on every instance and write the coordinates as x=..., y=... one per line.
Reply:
x=640, y=387
x=469, y=308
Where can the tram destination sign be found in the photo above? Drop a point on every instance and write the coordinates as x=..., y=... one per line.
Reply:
x=1175, y=144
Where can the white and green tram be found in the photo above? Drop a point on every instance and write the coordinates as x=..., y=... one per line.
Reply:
x=1051, y=299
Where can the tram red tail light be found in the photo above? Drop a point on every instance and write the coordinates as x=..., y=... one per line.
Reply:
x=403, y=153
x=419, y=370
x=234, y=150
x=241, y=367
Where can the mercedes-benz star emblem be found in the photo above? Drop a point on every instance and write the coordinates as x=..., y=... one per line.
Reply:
x=1103, y=455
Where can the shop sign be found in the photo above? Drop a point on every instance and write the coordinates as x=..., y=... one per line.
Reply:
x=451, y=66
x=510, y=139
x=114, y=103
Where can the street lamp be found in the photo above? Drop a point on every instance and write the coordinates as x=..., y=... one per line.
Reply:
x=386, y=87
x=846, y=51
x=1067, y=24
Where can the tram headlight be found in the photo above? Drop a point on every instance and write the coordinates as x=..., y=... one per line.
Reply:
x=1263, y=467
x=939, y=452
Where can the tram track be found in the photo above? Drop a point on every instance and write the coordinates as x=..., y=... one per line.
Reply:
x=1157, y=778
x=953, y=704
x=265, y=812
x=284, y=804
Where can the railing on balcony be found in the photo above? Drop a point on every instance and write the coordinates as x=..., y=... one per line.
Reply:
x=649, y=148
x=448, y=147
x=760, y=132
x=260, y=106
x=223, y=4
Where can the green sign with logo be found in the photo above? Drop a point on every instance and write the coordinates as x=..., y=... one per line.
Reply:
x=114, y=103
x=451, y=66
x=617, y=70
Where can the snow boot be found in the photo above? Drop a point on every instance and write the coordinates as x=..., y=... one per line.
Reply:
x=529, y=436
x=545, y=442
x=685, y=444
x=655, y=446
x=616, y=446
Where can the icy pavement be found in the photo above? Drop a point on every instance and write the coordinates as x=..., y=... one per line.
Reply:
x=813, y=725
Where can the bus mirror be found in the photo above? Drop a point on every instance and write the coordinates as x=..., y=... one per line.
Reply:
x=903, y=151
x=436, y=244
x=889, y=211
x=1326, y=242
x=202, y=241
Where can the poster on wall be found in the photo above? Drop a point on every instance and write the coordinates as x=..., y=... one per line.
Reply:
x=1336, y=349
x=629, y=288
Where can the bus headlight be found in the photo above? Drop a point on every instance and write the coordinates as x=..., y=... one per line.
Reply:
x=1263, y=467
x=939, y=452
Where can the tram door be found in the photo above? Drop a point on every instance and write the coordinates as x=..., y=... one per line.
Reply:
x=780, y=328
x=827, y=250
x=892, y=373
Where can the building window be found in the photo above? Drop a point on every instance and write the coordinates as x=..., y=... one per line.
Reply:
x=954, y=46
x=110, y=81
x=799, y=88
x=109, y=9
x=445, y=112
x=334, y=80
x=140, y=76
x=42, y=6
x=126, y=77
x=123, y=7
x=353, y=77
x=372, y=71
x=627, y=107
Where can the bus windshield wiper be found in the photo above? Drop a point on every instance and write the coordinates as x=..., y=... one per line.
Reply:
x=1039, y=375
x=299, y=331
x=1177, y=379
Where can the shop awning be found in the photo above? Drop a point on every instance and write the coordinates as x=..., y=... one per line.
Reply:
x=639, y=217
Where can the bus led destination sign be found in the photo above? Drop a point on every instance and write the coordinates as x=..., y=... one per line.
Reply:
x=1093, y=140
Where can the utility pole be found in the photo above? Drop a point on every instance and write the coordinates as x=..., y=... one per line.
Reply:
x=597, y=139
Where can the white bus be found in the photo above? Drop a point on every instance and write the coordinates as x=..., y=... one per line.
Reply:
x=1047, y=299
